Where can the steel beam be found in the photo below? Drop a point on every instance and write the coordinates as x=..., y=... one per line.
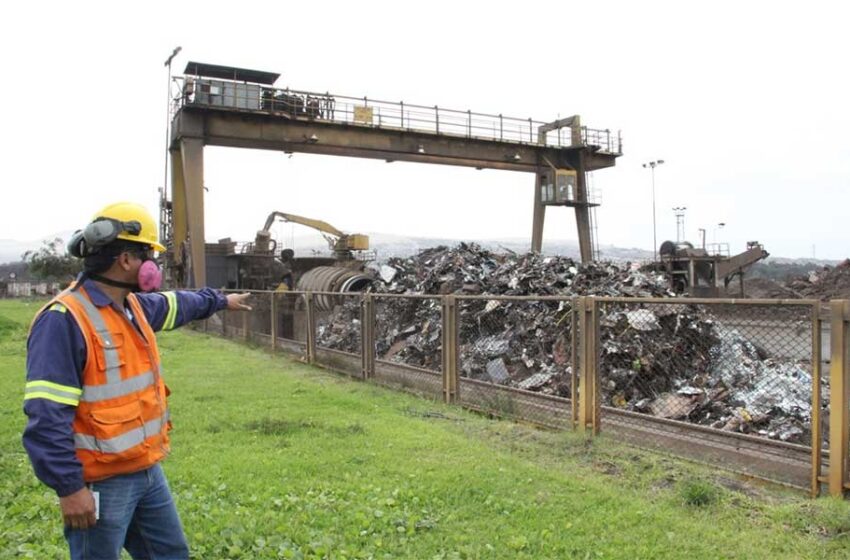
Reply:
x=243, y=130
x=192, y=128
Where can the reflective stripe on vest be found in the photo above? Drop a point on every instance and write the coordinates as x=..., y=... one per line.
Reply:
x=123, y=442
x=113, y=364
x=94, y=393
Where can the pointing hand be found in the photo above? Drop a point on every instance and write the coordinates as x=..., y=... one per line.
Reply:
x=237, y=302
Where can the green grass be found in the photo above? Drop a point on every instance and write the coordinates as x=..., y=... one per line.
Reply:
x=276, y=459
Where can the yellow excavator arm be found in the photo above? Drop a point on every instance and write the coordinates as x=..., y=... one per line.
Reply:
x=319, y=225
x=340, y=242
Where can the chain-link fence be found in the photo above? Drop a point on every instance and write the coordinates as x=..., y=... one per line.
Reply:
x=740, y=384
x=339, y=330
x=260, y=319
x=234, y=323
x=408, y=343
x=291, y=324
x=742, y=369
x=512, y=353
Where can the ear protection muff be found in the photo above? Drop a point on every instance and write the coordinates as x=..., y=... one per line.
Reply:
x=98, y=234
x=76, y=245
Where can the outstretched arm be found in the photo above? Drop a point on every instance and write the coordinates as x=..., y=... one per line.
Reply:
x=169, y=310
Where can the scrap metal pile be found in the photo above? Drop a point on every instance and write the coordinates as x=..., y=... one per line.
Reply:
x=675, y=361
x=671, y=360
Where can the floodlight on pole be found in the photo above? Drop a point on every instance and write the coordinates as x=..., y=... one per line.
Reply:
x=717, y=228
x=680, y=222
x=652, y=165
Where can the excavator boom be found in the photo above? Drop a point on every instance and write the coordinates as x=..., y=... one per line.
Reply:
x=319, y=225
x=341, y=243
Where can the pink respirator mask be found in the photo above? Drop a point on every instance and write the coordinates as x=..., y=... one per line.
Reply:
x=150, y=276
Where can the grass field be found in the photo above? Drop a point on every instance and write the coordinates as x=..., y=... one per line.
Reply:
x=275, y=459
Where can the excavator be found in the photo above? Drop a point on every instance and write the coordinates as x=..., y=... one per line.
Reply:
x=259, y=266
x=343, y=245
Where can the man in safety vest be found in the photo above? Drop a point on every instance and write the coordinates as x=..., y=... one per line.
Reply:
x=96, y=401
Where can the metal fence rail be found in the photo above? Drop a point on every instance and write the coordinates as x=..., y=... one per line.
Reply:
x=187, y=91
x=740, y=384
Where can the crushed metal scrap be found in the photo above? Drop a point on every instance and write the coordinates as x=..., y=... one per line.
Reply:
x=671, y=361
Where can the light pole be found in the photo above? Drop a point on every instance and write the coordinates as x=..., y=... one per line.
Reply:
x=652, y=165
x=717, y=228
x=680, y=222
x=163, y=199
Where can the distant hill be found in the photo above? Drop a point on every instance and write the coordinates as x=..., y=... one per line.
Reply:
x=390, y=245
x=11, y=250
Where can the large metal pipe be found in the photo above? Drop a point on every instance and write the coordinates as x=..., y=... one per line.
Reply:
x=332, y=279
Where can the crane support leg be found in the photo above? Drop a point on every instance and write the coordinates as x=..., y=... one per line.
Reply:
x=583, y=225
x=539, y=216
x=188, y=205
x=585, y=243
x=179, y=216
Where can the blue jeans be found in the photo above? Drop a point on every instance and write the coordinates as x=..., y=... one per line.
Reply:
x=136, y=513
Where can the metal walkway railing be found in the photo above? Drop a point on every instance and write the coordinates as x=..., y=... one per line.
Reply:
x=363, y=111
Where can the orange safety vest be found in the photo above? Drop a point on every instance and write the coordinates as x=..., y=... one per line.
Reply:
x=122, y=424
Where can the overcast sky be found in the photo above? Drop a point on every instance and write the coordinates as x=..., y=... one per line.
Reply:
x=747, y=102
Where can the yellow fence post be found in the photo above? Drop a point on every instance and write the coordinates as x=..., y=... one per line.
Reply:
x=839, y=397
x=593, y=361
x=574, y=360
x=311, y=327
x=817, y=443
x=588, y=394
x=273, y=320
x=451, y=385
x=367, y=336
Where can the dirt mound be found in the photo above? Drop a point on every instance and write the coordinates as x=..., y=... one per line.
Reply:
x=827, y=283
x=764, y=288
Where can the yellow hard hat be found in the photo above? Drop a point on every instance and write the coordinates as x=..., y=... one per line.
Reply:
x=129, y=212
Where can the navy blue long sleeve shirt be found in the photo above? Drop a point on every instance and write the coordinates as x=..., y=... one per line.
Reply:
x=56, y=357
